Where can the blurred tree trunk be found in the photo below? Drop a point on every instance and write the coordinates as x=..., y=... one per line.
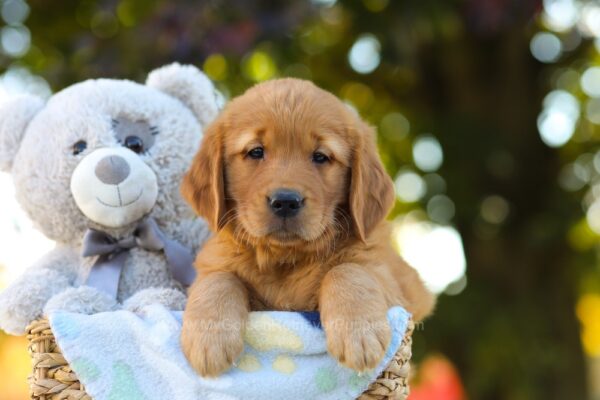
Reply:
x=513, y=332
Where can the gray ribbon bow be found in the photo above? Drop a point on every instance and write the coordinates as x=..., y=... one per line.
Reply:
x=106, y=271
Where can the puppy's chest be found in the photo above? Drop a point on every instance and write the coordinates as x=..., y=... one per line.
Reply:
x=296, y=290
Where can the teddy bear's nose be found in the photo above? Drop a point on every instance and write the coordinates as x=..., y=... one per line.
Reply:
x=112, y=170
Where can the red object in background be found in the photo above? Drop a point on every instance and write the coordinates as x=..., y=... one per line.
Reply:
x=437, y=379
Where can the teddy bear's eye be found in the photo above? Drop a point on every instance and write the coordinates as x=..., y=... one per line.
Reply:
x=79, y=147
x=134, y=143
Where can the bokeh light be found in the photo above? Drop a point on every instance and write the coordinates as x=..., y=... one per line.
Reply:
x=555, y=127
x=440, y=209
x=573, y=177
x=364, y=55
x=563, y=101
x=358, y=94
x=126, y=12
x=557, y=121
x=15, y=366
x=215, y=66
x=590, y=81
x=560, y=15
x=436, y=252
x=15, y=40
x=437, y=379
x=394, y=127
x=410, y=187
x=14, y=12
x=259, y=66
x=588, y=312
x=435, y=184
x=589, y=24
x=592, y=110
x=546, y=47
x=494, y=209
x=593, y=216
x=427, y=153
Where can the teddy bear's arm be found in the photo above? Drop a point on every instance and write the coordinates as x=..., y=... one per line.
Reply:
x=24, y=300
x=171, y=298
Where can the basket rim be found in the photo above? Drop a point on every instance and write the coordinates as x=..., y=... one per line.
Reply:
x=53, y=377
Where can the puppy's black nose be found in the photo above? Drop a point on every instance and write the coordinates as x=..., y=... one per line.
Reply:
x=286, y=203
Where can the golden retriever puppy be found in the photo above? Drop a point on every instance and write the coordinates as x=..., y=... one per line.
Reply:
x=290, y=180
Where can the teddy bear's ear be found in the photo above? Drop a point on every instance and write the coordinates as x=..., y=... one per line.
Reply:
x=15, y=115
x=188, y=84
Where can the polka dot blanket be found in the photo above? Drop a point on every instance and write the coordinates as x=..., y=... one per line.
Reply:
x=122, y=355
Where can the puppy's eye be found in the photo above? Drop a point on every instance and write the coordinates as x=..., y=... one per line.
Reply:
x=319, y=158
x=79, y=147
x=257, y=153
x=134, y=143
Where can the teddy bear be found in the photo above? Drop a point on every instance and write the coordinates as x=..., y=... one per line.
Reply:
x=97, y=168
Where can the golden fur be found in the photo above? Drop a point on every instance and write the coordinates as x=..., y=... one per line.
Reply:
x=335, y=256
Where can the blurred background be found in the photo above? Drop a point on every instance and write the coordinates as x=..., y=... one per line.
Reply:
x=488, y=113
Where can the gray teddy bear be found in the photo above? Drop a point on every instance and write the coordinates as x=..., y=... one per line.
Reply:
x=97, y=168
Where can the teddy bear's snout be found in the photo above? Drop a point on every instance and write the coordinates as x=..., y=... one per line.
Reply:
x=112, y=170
x=114, y=187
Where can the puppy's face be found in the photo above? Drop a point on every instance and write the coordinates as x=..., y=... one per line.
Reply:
x=287, y=163
x=287, y=169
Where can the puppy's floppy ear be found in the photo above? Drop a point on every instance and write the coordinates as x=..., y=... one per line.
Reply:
x=371, y=188
x=203, y=185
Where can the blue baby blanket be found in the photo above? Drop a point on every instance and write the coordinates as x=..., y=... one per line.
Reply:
x=125, y=356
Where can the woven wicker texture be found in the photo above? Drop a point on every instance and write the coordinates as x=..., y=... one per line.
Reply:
x=393, y=381
x=53, y=379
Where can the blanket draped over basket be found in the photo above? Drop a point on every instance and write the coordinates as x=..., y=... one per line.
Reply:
x=121, y=355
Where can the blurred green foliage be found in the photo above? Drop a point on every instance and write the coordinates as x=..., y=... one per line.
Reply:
x=461, y=70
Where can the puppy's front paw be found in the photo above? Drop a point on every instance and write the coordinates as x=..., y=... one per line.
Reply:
x=358, y=343
x=211, y=347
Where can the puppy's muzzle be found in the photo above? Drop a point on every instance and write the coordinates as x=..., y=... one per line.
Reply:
x=285, y=203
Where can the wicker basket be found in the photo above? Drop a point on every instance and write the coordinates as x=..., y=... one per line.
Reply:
x=53, y=379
